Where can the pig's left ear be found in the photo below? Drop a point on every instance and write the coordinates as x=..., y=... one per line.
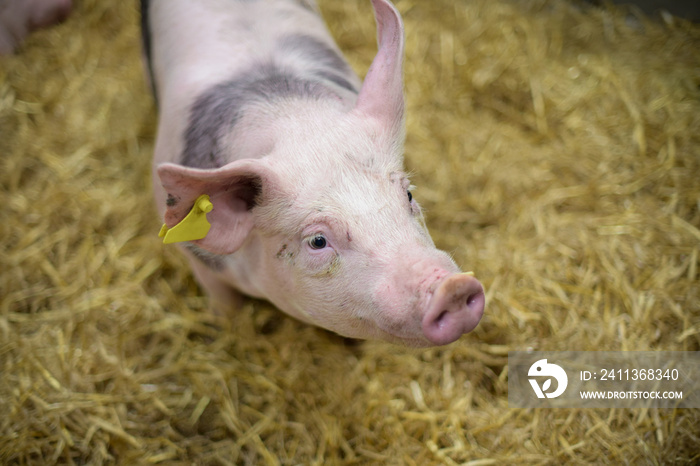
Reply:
x=233, y=190
x=381, y=96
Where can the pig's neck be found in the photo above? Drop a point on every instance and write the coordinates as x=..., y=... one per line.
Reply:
x=263, y=128
x=248, y=126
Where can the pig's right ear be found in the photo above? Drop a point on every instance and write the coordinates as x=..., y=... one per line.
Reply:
x=381, y=96
x=233, y=190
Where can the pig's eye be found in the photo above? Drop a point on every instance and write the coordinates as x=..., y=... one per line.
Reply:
x=318, y=242
x=410, y=196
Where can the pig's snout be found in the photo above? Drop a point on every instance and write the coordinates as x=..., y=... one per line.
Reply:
x=454, y=309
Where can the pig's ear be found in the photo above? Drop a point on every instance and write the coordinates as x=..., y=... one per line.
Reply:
x=381, y=96
x=233, y=190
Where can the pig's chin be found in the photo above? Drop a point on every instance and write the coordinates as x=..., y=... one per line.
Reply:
x=406, y=341
x=405, y=338
x=365, y=329
x=376, y=332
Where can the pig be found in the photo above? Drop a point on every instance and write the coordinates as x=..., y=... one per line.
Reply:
x=307, y=202
x=18, y=18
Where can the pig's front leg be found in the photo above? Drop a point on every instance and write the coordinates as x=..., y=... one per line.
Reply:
x=20, y=17
x=222, y=297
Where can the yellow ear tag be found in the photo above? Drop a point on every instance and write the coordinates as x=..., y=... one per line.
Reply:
x=194, y=226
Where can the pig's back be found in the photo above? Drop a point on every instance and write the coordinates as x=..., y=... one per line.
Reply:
x=197, y=44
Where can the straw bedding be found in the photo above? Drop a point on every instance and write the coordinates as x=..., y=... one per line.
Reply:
x=556, y=150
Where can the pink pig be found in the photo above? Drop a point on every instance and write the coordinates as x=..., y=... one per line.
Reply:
x=303, y=165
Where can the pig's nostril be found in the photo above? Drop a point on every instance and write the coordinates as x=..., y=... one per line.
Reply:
x=441, y=318
x=475, y=301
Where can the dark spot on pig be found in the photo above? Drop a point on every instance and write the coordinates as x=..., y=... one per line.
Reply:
x=307, y=5
x=274, y=82
x=339, y=80
x=281, y=253
x=216, y=111
x=347, y=234
x=328, y=63
x=209, y=117
x=213, y=261
x=171, y=201
x=284, y=254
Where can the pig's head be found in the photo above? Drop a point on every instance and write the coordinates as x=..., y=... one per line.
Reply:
x=324, y=224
